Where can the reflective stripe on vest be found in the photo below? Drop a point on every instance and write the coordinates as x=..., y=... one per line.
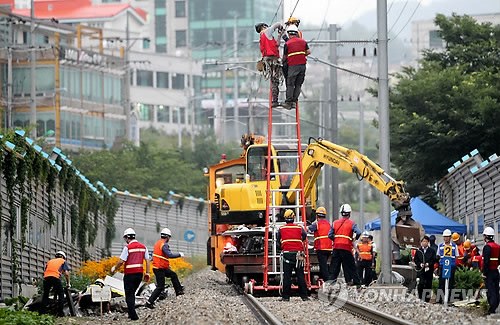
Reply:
x=342, y=236
x=291, y=238
x=320, y=237
x=321, y=240
x=365, y=251
x=129, y=266
x=296, y=53
x=494, y=255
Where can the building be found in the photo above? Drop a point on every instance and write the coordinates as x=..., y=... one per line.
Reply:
x=425, y=34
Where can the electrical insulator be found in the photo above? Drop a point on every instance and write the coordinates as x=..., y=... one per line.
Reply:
x=358, y=98
x=350, y=98
x=364, y=51
x=341, y=98
x=353, y=51
x=375, y=52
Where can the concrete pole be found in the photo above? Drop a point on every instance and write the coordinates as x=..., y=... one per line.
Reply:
x=383, y=102
x=235, y=73
x=362, y=183
x=8, y=122
x=333, y=121
x=325, y=133
x=223, y=89
x=128, y=129
x=33, y=73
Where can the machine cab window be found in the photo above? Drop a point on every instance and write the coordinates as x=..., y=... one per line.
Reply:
x=229, y=175
x=257, y=164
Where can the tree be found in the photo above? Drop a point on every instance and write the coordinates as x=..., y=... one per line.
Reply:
x=448, y=107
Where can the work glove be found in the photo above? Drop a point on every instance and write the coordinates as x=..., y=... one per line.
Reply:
x=69, y=285
x=147, y=277
x=113, y=269
x=181, y=254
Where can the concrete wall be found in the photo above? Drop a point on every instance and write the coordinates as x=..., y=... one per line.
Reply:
x=186, y=217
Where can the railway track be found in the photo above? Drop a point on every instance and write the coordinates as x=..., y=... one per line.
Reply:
x=372, y=315
x=263, y=315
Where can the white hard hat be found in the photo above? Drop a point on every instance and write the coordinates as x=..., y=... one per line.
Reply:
x=345, y=209
x=446, y=233
x=292, y=29
x=488, y=231
x=129, y=232
x=61, y=253
x=166, y=232
x=366, y=234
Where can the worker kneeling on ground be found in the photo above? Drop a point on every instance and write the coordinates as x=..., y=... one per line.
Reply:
x=291, y=237
x=161, y=267
x=491, y=254
x=52, y=279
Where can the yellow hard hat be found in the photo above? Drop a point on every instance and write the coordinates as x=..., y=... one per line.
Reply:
x=455, y=236
x=289, y=214
x=293, y=20
x=321, y=211
x=467, y=244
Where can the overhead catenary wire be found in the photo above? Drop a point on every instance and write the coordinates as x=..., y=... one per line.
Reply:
x=399, y=16
x=408, y=21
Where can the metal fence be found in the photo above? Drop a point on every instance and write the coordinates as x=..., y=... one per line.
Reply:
x=185, y=216
x=470, y=194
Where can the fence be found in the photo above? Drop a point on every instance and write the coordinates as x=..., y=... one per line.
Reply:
x=470, y=194
x=40, y=213
x=186, y=217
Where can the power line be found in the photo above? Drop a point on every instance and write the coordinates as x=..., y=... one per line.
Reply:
x=291, y=14
x=409, y=19
x=397, y=19
x=277, y=10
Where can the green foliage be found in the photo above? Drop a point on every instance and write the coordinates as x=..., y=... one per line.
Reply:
x=448, y=107
x=468, y=279
x=79, y=281
x=17, y=303
x=23, y=317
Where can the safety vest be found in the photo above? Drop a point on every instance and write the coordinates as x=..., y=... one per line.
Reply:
x=296, y=51
x=136, y=252
x=268, y=47
x=343, y=234
x=449, y=251
x=321, y=240
x=477, y=262
x=494, y=255
x=460, y=257
x=365, y=251
x=160, y=261
x=53, y=268
x=291, y=238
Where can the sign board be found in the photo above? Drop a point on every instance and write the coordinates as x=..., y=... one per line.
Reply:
x=100, y=294
x=446, y=267
x=189, y=236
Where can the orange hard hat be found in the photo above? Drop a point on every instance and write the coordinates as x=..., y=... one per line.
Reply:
x=455, y=236
x=467, y=244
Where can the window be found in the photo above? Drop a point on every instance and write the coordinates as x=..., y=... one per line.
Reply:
x=163, y=113
x=162, y=80
x=435, y=40
x=178, y=81
x=146, y=42
x=145, y=78
x=145, y=112
x=180, y=9
x=180, y=38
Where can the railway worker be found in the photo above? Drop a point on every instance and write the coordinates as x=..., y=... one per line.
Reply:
x=295, y=51
x=449, y=250
x=468, y=253
x=322, y=244
x=365, y=259
x=52, y=279
x=458, y=241
x=161, y=267
x=491, y=254
x=424, y=260
x=291, y=237
x=293, y=21
x=343, y=232
x=477, y=258
x=133, y=255
x=269, y=48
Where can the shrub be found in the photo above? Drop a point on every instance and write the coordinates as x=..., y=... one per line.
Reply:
x=99, y=269
x=468, y=279
x=23, y=317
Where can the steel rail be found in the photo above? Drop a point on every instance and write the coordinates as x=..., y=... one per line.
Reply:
x=370, y=314
x=260, y=312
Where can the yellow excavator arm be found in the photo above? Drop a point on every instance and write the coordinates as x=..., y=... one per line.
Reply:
x=320, y=152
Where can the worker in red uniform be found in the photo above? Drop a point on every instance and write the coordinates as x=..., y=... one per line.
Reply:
x=269, y=48
x=343, y=232
x=52, y=279
x=322, y=244
x=291, y=237
x=133, y=255
x=491, y=254
x=460, y=245
x=161, y=267
x=477, y=258
x=295, y=51
x=365, y=259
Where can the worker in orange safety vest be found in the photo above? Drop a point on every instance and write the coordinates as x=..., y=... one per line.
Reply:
x=460, y=245
x=365, y=259
x=133, y=255
x=292, y=236
x=52, y=279
x=161, y=267
x=322, y=244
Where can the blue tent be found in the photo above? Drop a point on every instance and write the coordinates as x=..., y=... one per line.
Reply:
x=432, y=221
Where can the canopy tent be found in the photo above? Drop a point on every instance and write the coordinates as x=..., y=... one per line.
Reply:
x=432, y=221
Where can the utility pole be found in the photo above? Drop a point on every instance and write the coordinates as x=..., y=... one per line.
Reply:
x=362, y=151
x=8, y=120
x=223, y=88
x=332, y=122
x=325, y=133
x=33, y=73
x=235, y=73
x=383, y=102
x=126, y=92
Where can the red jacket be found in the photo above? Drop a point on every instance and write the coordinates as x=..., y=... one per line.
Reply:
x=494, y=255
x=136, y=252
x=160, y=261
x=321, y=240
x=268, y=47
x=343, y=234
x=291, y=238
x=296, y=51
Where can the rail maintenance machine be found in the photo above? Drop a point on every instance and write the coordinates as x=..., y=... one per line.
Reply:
x=249, y=195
